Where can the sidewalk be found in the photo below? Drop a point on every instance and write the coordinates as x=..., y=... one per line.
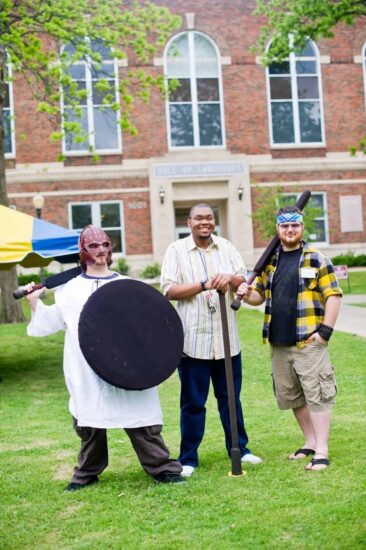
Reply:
x=351, y=319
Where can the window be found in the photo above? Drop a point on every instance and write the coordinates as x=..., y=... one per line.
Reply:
x=181, y=228
x=315, y=216
x=294, y=91
x=8, y=114
x=194, y=109
x=107, y=215
x=98, y=120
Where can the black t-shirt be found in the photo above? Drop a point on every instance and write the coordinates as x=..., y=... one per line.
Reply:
x=285, y=288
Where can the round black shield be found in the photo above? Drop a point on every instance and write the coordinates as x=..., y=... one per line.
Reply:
x=130, y=335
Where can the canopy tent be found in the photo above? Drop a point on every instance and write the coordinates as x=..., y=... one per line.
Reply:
x=32, y=242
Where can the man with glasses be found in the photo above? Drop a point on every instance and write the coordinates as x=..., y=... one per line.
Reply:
x=302, y=300
x=193, y=270
x=94, y=404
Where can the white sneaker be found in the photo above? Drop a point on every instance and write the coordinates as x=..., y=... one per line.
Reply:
x=187, y=471
x=251, y=459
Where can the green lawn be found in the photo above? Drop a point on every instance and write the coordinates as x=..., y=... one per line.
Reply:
x=357, y=283
x=276, y=505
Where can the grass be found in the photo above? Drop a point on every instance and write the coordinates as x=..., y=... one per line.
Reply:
x=357, y=280
x=276, y=505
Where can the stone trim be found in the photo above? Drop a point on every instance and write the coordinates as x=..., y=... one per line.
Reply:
x=73, y=192
x=310, y=183
x=328, y=163
x=56, y=172
x=190, y=20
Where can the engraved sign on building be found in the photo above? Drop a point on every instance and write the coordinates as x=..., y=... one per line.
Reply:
x=197, y=169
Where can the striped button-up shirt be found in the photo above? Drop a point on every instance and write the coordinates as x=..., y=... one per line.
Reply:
x=317, y=281
x=185, y=263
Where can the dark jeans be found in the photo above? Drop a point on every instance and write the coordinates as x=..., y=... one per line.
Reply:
x=146, y=441
x=195, y=376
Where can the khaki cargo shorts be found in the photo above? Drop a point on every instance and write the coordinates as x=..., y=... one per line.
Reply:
x=303, y=376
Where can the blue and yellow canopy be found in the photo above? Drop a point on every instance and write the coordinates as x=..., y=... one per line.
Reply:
x=32, y=242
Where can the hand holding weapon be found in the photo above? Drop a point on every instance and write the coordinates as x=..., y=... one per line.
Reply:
x=265, y=257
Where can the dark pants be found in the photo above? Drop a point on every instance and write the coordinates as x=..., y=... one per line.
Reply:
x=146, y=441
x=195, y=376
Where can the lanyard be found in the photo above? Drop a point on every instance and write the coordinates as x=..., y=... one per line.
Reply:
x=203, y=260
x=211, y=302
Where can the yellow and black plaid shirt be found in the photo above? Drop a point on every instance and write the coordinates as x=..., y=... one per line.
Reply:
x=312, y=295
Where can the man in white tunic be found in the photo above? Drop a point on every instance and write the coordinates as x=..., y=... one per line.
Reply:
x=94, y=404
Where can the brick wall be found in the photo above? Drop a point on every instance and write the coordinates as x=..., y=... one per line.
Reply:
x=334, y=192
x=234, y=29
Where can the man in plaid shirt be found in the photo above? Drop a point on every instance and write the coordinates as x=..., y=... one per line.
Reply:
x=302, y=301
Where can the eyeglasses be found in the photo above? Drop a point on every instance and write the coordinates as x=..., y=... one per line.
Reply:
x=105, y=245
x=286, y=226
x=208, y=218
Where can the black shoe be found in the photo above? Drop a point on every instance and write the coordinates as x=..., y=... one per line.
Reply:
x=76, y=486
x=169, y=477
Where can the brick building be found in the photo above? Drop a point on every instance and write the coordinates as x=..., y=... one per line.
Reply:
x=230, y=130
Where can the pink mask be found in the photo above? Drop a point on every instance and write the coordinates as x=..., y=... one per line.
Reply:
x=92, y=241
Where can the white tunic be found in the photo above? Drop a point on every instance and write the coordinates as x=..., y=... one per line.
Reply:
x=93, y=402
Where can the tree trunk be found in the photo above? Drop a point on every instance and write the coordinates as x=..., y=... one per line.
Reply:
x=10, y=309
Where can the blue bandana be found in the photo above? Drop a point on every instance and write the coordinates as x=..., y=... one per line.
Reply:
x=289, y=217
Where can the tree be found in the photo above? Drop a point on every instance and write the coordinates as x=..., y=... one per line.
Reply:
x=303, y=19
x=32, y=34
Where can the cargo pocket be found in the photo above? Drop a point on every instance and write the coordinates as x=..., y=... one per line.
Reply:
x=328, y=388
x=154, y=430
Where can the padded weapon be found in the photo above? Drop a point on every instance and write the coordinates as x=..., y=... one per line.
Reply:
x=265, y=257
x=51, y=282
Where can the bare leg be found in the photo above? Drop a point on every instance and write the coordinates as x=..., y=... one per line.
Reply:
x=321, y=424
x=304, y=420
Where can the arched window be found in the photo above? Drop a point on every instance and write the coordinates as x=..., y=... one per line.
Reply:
x=8, y=114
x=295, y=99
x=194, y=108
x=99, y=122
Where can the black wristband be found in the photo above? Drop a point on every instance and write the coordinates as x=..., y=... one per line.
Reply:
x=325, y=332
x=203, y=286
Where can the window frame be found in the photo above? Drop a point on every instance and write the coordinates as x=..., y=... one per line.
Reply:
x=96, y=219
x=320, y=244
x=193, y=87
x=10, y=109
x=90, y=114
x=295, y=101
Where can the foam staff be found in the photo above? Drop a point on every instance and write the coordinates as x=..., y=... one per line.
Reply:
x=236, y=469
x=51, y=282
x=265, y=257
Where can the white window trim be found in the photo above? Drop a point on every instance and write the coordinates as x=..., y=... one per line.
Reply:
x=12, y=154
x=319, y=244
x=192, y=70
x=89, y=108
x=295, y=102
x=95, y=215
